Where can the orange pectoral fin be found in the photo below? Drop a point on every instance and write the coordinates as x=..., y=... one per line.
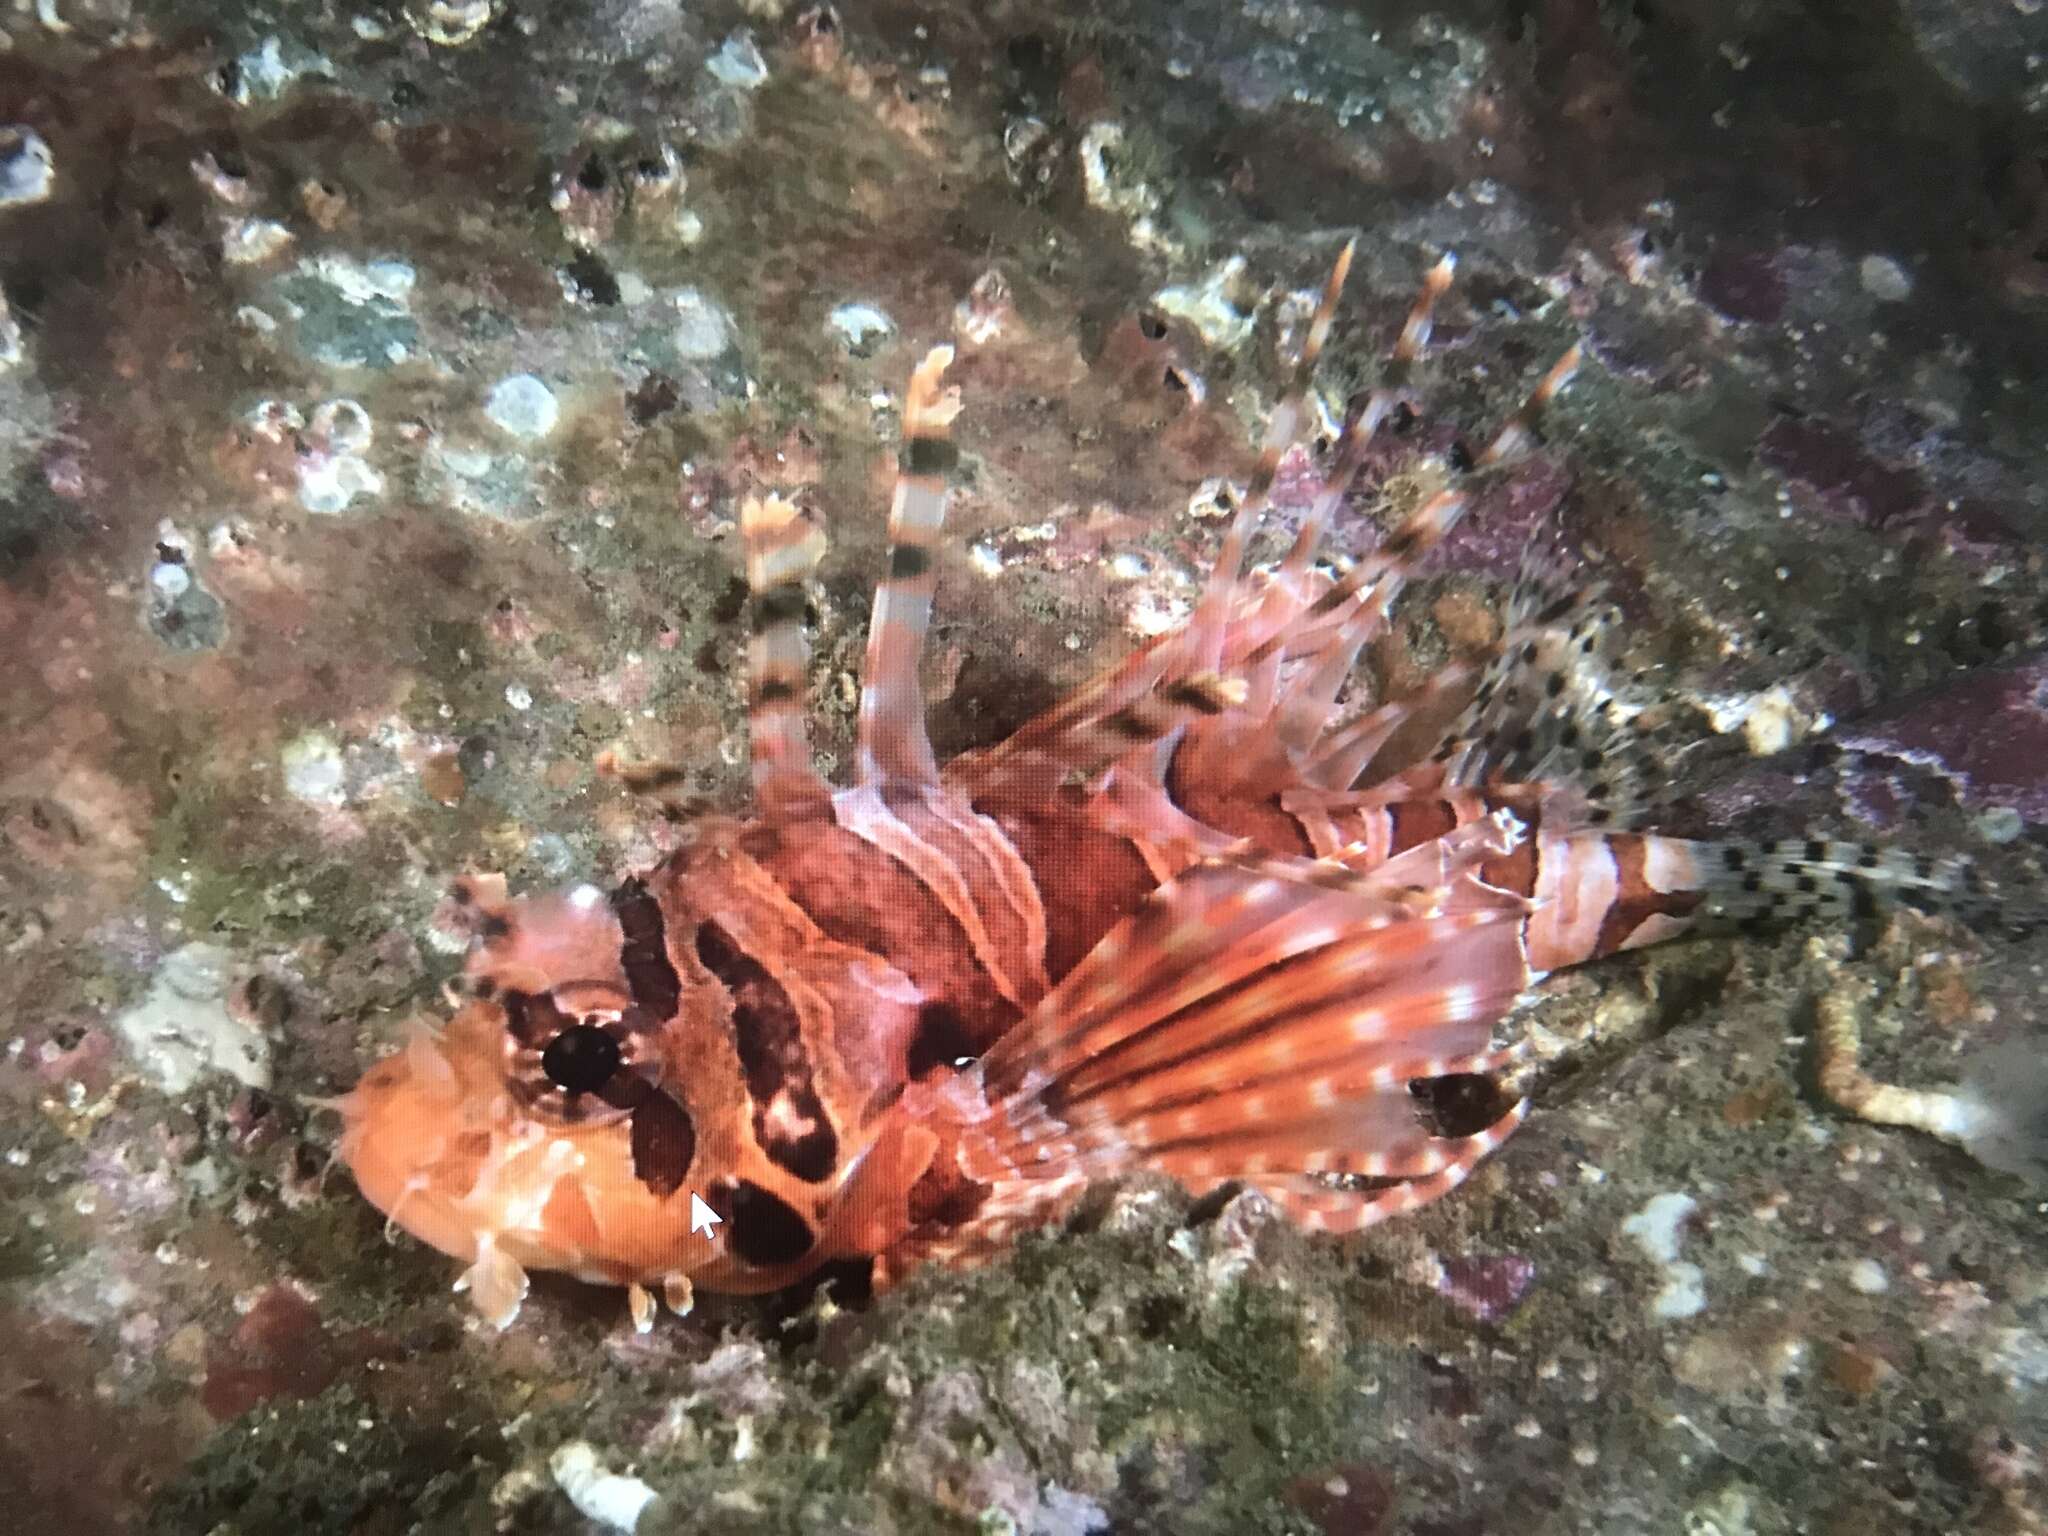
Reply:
x=872, y=1210
x=1259, y=1019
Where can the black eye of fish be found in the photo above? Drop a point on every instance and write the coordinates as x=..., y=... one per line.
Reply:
x=581, y=1059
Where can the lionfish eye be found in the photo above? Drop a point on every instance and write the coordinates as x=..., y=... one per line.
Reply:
x=581, y=1059
x=582, y=1064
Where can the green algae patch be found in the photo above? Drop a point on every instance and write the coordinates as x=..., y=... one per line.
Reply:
x=275, y=1469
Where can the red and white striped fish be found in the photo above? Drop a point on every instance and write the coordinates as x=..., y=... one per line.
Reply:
x=1185, y=921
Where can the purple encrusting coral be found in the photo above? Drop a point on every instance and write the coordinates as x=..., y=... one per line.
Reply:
x=1488, y=1286
x=1986, y=736
x=377, y=388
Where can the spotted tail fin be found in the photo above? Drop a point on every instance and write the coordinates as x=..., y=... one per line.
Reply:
x=1597, y=892
x=1262, y=1019
x=1759, y=885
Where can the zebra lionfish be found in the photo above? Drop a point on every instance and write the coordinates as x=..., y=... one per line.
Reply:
x=1189, y=920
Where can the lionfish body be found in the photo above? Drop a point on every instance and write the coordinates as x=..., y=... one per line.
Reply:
x=1183, y=922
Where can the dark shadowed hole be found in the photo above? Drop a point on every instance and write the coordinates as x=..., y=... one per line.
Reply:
x=1159, y=1316
x=1991, y=628
x=1027, y=53
x=1462, y=1104
x=941, y=1039
x=731, y=603
x=593, y=279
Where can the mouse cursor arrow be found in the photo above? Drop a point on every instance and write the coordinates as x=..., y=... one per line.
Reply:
x=702, y=1217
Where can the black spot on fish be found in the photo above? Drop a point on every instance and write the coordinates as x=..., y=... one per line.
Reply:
x=664, y=1143
x=650, y=975
x=790, y=1122
x=765, y=1229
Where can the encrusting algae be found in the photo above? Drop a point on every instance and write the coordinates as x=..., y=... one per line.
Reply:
x=1202, y=917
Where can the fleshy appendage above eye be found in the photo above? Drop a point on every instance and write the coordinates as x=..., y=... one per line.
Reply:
x=577, y=1054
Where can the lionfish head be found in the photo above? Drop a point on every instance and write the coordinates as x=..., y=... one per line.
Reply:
x=541, y=1127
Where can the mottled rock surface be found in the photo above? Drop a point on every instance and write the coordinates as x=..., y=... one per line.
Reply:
x=377, y=385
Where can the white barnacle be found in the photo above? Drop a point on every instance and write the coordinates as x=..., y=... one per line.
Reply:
x=611, y=1499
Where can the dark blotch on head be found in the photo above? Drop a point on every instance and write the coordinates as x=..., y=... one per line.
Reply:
x=766, y=1230
x=768, y=1036
x=643, y=957
x=656, y=395
x=532, y=1019
x=664, y=1142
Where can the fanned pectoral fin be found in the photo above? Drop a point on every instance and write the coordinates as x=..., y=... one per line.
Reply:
x=1263, y=1019
x=496, y=1283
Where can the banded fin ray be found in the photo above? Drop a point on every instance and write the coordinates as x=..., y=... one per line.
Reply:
x=893, y=742
x=783, y=547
